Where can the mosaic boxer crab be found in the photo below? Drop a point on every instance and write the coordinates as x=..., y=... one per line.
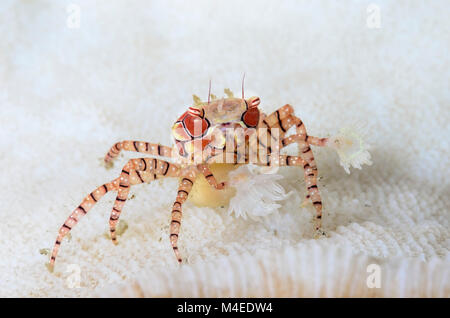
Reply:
x=229, y=130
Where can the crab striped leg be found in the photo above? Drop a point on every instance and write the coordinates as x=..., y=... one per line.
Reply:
x=300, y=138
x=290, y=121
x=304, y=147
x=303, y=140
x=285, y=122
x=137, y=171
x=203, y=168
x=301, y=131
x=87, y=204
x=284, y=119
x=273, y=121
x=138, y=146
x=184, y=188
x=276, y=118
x=310, y=181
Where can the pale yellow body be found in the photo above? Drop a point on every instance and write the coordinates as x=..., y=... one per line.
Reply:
x=202, y=194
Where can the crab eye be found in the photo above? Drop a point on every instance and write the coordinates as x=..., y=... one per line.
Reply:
x=254, y=101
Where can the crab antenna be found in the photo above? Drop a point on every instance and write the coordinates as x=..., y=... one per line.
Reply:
x=209, y=91
x=243, y=77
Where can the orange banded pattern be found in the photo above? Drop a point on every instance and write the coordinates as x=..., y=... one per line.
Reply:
x=134, y=172
x=138, y=146
x=87, y=204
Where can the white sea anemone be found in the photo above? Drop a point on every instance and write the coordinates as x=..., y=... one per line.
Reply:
x=351, y=148
x=256, y=192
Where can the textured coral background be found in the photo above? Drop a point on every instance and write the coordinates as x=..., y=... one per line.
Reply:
x=130, y=69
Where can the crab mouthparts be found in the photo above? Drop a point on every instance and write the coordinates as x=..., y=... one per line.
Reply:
x=230, y=124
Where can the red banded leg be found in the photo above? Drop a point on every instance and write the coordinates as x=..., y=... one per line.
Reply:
x=310, y=182
x=134, y=172
x=310, y=167
x=303, y=142
x=203, y=168
x=301, y=138
x=87, y=204
x=277, y=119
x=138, y=146
x=184, y=188
x=284, y=119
